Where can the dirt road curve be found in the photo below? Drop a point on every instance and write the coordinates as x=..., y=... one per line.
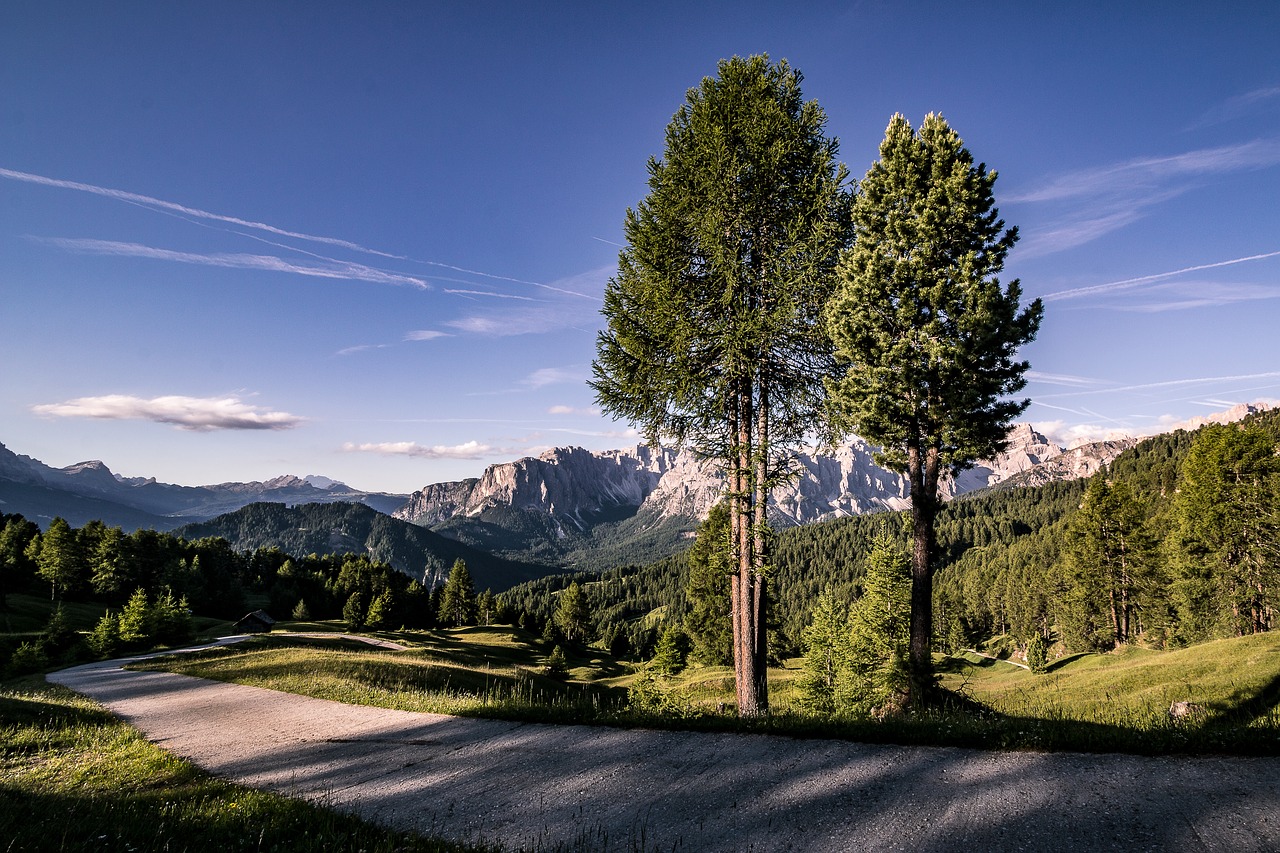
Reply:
x=527, y=785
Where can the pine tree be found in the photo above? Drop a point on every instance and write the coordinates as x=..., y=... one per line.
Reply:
x=828, y=652
x=712, y=337
x=135, y=621
x=572, y=618
x=379, y=615
x=1109, y=552
x=458, y=603
x=1227, y=511
x=353, y=612
x=486, y=608
x=104, y=639
x=706, y=620
x=925, y=333
x=671, y=655
x=60, y=560
x=880, y=629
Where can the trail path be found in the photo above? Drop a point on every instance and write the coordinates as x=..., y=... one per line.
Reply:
x=525, y=785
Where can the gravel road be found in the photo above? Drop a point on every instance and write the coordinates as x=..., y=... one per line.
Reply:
x=536, y=786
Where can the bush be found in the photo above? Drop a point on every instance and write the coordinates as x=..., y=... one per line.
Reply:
x=28, y=657
x=557, y=665
x=104, y=639
x=1037, y=653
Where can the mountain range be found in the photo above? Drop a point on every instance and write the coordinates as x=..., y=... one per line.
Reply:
x=90, y=490
x=566, y=507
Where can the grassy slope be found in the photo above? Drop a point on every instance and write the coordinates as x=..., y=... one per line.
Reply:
x=1094, y=703
x=1233, y=680
x=72, y=777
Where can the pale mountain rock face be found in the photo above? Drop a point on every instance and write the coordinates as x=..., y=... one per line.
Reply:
x=572, y=484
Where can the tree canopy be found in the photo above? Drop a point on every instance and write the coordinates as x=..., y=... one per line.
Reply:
x=924, y=332
x=712, y=336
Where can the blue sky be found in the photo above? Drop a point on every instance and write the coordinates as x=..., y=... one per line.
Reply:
x=369, y=241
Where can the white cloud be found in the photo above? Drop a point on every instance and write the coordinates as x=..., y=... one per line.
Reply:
x=570, y=410
x=201, y=414
x=468, y=450
x=330, y=269
x=425, y=335
x=554, y=376
x=1072, y=435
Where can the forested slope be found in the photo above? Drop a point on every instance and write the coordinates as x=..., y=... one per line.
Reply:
x=1014, y=561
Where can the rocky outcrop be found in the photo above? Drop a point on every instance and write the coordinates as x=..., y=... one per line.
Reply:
x=574, y=486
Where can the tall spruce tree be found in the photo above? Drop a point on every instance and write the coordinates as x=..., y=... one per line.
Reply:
x=1109, y=552
x=712, y=337
x=572, y=616
x=706, y=593
x=925, y=334
x=1227, y=512
x=458, y=602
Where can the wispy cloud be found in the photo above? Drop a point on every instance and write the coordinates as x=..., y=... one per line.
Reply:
x=425, y=335
x=1169, y=383
x=1063, y=379
x=1238, y=107
x=1128, y=283
x=554, y=376
x=360, y=348
x=335, y=269
x=460, y=292
x=1183, y=295
x=468, y=450
x=1110, y=197
x=571, y=410
x=194, y=212
x=579, y=309
x=200, y=414
x=1146, y=172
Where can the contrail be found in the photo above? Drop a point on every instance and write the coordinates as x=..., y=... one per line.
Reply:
x=136, y=198
x=1132, y=282
x=173, y=207
x=339, y=269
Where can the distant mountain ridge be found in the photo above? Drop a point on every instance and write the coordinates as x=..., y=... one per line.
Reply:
x=575, y=506
x=348, y=528
x=90, y=490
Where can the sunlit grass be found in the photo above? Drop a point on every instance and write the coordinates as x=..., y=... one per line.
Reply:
x=473, y=672
x=1114, y=702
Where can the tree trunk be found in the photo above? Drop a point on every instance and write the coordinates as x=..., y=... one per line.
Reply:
x=747, y=599
x=760, y=547
x=922, y=471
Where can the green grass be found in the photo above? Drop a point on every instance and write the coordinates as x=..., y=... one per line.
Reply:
x=72, y=777
x=486, y=671
x=1103, y=703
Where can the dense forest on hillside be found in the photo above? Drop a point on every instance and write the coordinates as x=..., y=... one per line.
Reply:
x=349, y=528
x=1177, y=542
x=140, y=572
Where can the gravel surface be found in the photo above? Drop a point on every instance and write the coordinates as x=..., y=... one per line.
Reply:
x=524, y=785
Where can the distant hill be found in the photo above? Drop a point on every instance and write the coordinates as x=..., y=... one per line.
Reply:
x=339, y=528
x=90, y=490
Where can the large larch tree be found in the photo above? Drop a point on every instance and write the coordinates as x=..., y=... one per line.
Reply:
x=925, y=333
x=714, y=338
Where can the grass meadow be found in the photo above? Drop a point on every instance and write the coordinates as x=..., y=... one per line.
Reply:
x=1101, y=703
